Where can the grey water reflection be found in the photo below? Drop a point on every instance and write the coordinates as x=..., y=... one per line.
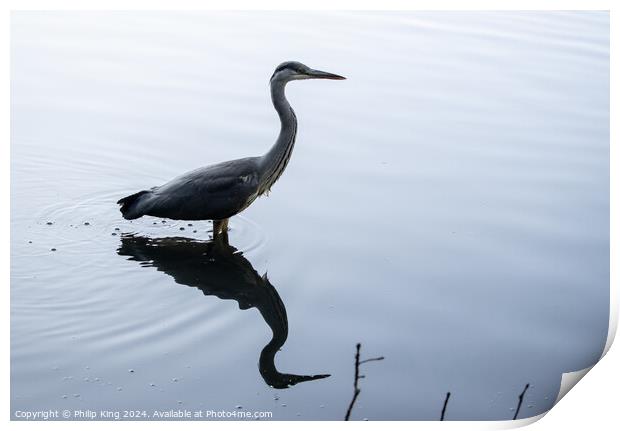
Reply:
x=219, y=269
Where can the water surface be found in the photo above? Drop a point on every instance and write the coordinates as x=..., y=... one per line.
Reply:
x=447, y=206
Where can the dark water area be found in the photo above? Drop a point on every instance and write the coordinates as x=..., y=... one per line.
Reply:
x=447, y=206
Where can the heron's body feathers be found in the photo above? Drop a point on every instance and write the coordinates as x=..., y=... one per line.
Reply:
x=213, y=192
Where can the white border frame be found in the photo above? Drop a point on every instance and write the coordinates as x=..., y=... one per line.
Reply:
x=593, y=405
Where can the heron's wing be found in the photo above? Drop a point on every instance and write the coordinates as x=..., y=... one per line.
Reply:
x=213, y=192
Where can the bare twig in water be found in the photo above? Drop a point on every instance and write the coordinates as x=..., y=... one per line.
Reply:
x=520, y=401
x=445, y=404
x=356, y=389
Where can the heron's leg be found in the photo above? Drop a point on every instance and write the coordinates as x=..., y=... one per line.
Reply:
x=217, y=227
x=220, y=235
x=220, y=227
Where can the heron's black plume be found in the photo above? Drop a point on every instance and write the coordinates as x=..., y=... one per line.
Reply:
x=127, y=203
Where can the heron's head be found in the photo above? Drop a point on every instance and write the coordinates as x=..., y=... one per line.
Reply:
x=292, y=70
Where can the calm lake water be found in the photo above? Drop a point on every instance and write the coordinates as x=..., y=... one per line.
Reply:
x=447, y=206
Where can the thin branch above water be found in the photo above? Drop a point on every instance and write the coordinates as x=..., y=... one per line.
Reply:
x=356, y=389
x=445, y=404
x=520, y=401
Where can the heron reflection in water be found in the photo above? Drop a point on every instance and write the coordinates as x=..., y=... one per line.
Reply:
x=218, y=269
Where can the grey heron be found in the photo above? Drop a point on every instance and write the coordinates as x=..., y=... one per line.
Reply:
x=218, y=192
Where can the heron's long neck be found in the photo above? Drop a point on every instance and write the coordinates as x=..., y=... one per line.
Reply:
x=275, y=160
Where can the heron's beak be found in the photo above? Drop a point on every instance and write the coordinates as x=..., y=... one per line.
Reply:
x=319, y=74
